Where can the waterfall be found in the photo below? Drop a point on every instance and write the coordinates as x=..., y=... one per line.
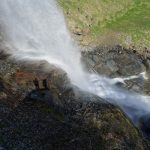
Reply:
x=36, y=30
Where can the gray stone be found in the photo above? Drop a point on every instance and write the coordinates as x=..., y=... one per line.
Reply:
x=95, y=58
x=91, y=62
x=136, y=88
x=2, y=148
x=112, y=65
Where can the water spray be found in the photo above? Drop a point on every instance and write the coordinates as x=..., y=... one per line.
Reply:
x=35, y=30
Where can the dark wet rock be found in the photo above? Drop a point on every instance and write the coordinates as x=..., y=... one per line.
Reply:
x=40, y=126
x=126, y=63
x=112, y=65
x=95, y=58
x=146, y=62
x=44, y=95
x=144, y=124
x=59, y=119
x=1, y=86
x=2, y=148
x=103, y=69
x=91, y=62
x=80, y=119
x=118, y=62
x=136, y=88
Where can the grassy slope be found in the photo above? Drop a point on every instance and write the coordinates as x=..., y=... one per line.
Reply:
x=130, y=19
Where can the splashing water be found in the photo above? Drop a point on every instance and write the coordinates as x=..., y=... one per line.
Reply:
x=36, y=30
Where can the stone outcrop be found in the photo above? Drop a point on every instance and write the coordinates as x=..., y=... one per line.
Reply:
x=57, y=118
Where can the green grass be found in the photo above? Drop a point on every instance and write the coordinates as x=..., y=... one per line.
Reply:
x=104, y=17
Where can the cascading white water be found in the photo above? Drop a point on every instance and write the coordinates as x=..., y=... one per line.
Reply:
x=36, y=30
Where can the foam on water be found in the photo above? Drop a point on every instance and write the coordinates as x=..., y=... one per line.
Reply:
x=36, y=30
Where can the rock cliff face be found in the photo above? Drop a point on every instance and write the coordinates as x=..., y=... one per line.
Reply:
x=59, y=118
x=119, y=62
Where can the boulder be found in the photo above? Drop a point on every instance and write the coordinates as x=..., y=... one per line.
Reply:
x=59, y=118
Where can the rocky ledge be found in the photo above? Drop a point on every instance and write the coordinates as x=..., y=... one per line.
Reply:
x=60, y=119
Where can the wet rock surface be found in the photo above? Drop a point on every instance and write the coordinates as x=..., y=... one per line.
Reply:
x=76, y=125
x=118, y=62
x=57, y=118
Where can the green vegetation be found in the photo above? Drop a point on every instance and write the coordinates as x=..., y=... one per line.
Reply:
x=128, y=21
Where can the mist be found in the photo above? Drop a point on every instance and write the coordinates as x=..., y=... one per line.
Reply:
x=35, y=30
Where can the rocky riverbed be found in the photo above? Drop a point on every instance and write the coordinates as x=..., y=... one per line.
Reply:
x=120, y=62
x=63, y=118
